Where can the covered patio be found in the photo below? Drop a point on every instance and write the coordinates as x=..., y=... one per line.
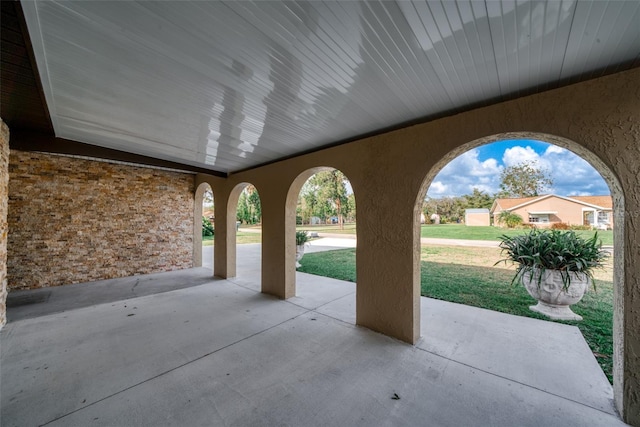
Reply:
x=115, y=118
x=218, y=352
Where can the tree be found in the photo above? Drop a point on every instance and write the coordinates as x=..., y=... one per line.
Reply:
x=308, y=201
x=525, y=179
x=243, y=209
x=350, y=208
x=255, y=208
x=336, y=192
x=249, y=208
x=330, y=190
x=478, y=200
x=450, y=209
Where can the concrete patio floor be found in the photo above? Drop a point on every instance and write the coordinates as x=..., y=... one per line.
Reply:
x=185, y=349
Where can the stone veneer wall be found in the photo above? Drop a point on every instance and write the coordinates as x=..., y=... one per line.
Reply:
x=4, y=192
x=75, y=220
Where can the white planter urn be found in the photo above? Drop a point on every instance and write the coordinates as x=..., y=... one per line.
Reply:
x=299, y=255
x=553, y=301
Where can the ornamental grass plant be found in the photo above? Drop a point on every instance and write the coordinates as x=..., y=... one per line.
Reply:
x=302, y=237
x=565, y=251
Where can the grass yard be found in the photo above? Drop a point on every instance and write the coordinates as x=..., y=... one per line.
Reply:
x=241, y=238
x=456, y=231
x=449, y=231
x=349, y=228
x=461, y=231
x=466, y=275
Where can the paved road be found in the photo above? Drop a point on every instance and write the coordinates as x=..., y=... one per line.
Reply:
x=424, y=240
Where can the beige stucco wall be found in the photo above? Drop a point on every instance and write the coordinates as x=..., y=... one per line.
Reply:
x=567, y=211
x=75, y=220
x=4, y=198
x=477, y=219
x=390, y=173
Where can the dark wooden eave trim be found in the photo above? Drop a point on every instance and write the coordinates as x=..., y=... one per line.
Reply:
x=32, y=60
x=29, y=141
x=23, y=100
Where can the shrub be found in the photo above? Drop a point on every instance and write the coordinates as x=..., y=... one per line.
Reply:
x=207, y=227
x=560, y=226
x=511, y=220
x=526, y=227
x=581, y=227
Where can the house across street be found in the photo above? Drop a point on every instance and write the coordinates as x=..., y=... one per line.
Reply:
x=544, y=211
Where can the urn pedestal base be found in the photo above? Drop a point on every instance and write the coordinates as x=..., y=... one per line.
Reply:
x=554, y=298
x=555, y=312
x=299, y=255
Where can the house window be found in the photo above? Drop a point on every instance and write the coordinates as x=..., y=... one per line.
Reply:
x=538, y=218
x=603, y=217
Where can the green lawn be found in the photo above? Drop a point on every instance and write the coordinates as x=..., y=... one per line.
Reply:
x=450, y=231
x=241, y=238
x=461, y=231
x=485, y=287
x=349, y=228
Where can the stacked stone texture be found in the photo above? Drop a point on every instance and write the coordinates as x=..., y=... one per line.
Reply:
x=4, y=190
x=74, y=220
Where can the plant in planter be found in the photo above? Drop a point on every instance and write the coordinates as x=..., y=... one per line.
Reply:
x=556, y=267
x=302, y=237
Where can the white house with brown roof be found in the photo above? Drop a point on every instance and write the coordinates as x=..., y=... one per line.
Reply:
x=544, y=211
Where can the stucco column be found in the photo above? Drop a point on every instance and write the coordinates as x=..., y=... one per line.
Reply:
x=4, y=200
x=197, y=225
x=277, y=279
x=388, y=290
x=224, y=251
x=627, y=391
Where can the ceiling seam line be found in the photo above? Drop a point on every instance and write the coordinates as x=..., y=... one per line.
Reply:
x=493, y=45
x=566, y=47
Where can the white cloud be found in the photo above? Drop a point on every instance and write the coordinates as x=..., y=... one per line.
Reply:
x=553, y=149
x=571, y=174
x=437, y=189
x=464, y=173
x=514, y=155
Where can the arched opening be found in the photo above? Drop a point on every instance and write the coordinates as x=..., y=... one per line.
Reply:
x=244, y=228
x=321, y=206
x=203, y=226
x=607, y=302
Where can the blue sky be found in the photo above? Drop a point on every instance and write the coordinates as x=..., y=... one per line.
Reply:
x=480, y=168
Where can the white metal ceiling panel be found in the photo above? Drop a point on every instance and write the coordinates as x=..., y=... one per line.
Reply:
x=230, y=85
x=604, y=34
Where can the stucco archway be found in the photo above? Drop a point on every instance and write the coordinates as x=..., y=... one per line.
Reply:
x=231, y=226
x=197, y=223
x=290, y=220
x=618, y=212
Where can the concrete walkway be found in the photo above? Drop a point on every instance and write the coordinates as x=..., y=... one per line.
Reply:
x=424, y=240
x=219, y=353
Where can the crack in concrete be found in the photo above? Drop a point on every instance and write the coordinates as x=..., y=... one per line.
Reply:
x=134, y=287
